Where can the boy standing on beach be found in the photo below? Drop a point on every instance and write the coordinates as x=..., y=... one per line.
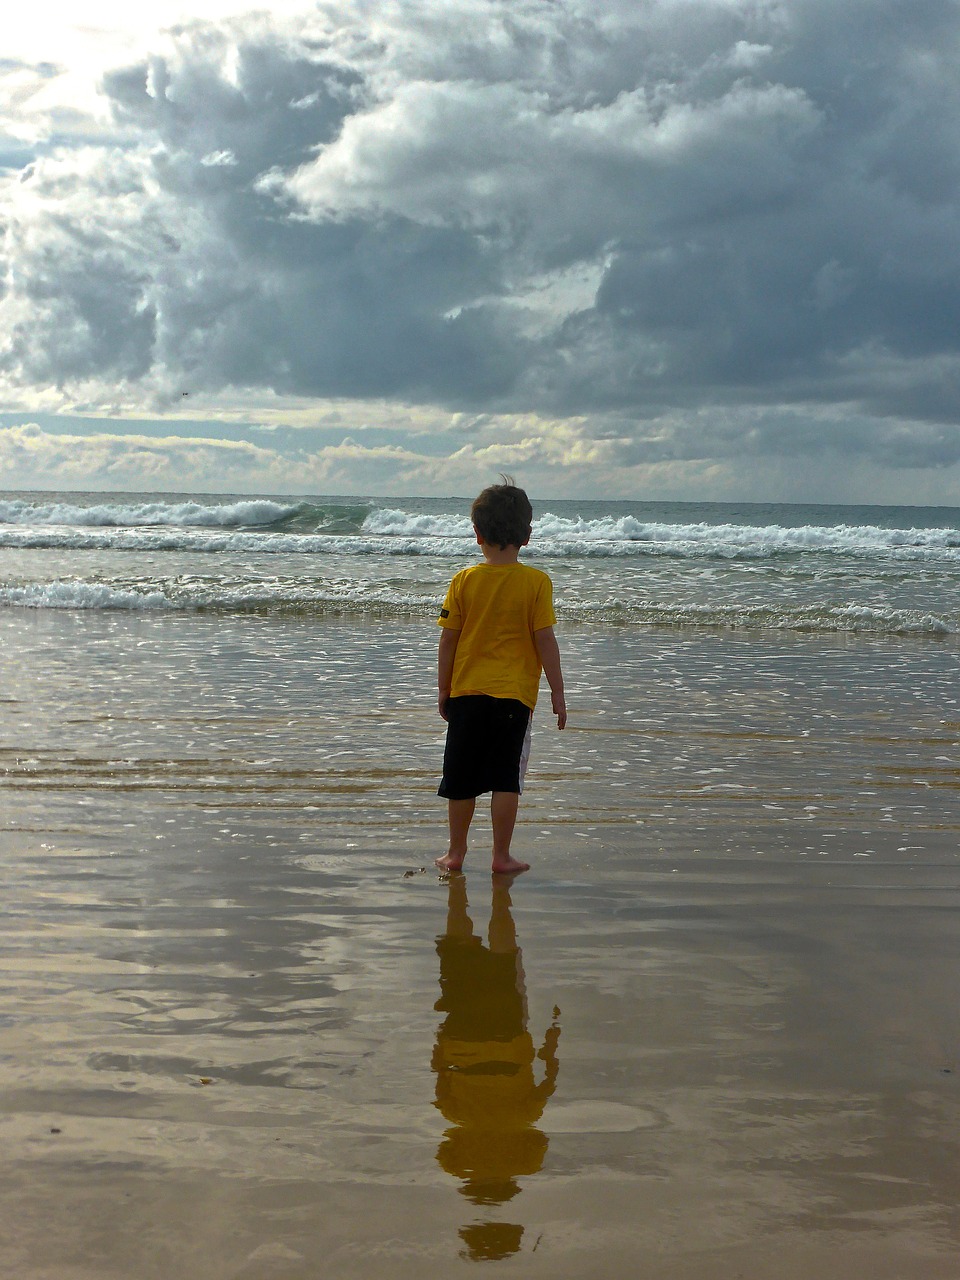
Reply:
x=497, y=637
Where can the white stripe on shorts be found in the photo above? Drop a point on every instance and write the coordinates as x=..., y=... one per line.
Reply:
x=525, y=752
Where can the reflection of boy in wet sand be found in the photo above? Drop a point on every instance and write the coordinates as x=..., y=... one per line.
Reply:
x=497, y=637
x=484, y=1058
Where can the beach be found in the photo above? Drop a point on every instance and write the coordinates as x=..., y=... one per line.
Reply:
x=237, y=1034
x=371, y=376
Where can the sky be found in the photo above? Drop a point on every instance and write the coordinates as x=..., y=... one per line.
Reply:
x=685, y=249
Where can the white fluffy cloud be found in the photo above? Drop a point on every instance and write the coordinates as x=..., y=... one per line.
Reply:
x=734, y=219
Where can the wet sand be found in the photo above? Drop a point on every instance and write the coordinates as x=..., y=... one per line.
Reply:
x=714, y=1031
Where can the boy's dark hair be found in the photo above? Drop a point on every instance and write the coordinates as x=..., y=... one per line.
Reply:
x=502, y=515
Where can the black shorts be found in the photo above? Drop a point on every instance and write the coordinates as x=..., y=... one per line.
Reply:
x=488, y=744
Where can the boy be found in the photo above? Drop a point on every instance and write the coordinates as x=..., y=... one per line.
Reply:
x=497, y=636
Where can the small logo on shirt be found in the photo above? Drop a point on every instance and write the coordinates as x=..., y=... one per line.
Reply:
x=444, y=613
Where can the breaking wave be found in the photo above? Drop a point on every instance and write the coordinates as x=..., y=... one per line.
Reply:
x=250, y=513
x=304, y=528
x=377, y=601
x=80, y=595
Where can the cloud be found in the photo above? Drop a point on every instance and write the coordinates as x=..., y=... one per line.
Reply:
x=30, y=456
x=711, y=215
x=699, y=454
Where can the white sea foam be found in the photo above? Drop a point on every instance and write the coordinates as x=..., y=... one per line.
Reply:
x=438, y=536
x=145, y=539
x=384, y=600
x=628, y=535
x=732, y=538
x=258, y=511
x=394, y=523
x=80, y=595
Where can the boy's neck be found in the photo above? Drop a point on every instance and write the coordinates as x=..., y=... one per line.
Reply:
x=499, y=555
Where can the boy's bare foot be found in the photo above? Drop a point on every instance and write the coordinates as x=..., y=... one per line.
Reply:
x=509, y=867
x=450, y=861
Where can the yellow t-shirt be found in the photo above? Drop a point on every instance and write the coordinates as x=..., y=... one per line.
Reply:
x=497, y=608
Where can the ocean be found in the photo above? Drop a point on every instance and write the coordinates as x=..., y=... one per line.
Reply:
x=824, y=569
x=725, y=664
x=225, y=1036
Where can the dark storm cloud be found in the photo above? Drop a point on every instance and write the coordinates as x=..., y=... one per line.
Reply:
x=760, y=199
x=172, y=259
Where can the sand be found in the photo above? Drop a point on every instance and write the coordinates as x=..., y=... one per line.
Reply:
x=715, y=1031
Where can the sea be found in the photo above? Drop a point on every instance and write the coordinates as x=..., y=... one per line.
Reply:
x=864, y=570
x=728, y=667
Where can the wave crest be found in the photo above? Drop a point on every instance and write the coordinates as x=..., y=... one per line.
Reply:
x=382, y=601
x=252, y=512
x=359, y=528
x=80, y=595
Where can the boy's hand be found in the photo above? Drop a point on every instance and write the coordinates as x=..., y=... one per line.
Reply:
x=442, y=700
x=559, y=709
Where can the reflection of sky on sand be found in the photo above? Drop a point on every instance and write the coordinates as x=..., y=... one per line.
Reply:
x=484, y=1060
x=751, y=1063
x=206, y=829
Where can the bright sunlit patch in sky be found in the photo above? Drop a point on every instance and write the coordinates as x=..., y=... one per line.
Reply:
x=95, y=32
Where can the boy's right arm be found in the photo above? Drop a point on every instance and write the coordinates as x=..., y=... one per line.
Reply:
x=548, y=652
x=449, y=639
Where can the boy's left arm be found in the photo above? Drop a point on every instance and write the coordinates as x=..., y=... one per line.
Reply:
x=549, y=653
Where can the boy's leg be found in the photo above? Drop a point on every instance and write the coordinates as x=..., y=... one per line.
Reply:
x=502, y=932
x=459, y=815
x=503, y=816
